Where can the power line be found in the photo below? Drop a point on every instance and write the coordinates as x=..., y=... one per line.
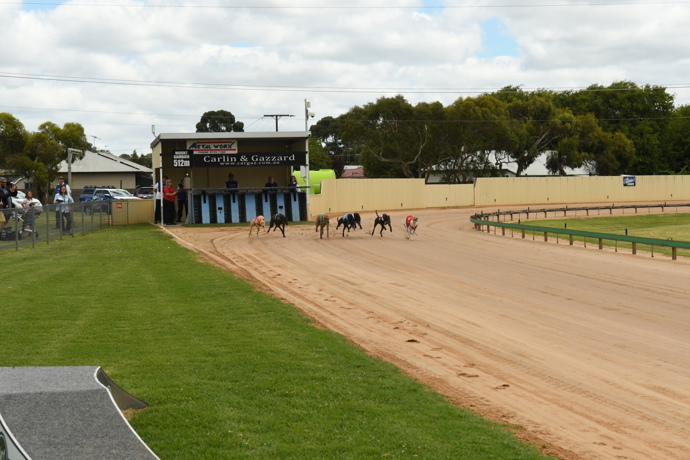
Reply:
x=278, y=88
x=351, y=7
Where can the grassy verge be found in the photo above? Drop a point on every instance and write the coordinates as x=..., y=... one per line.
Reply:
x=228, y=371
x=661, y=226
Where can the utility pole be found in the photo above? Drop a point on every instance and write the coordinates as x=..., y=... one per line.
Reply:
x=277, y=117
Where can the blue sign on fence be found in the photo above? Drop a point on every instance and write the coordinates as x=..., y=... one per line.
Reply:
x=628, y=181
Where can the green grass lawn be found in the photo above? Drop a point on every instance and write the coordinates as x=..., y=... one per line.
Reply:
x=228, y=372
x=661, y=226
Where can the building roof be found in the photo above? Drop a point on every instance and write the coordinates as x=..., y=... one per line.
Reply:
x=267, y=136
x=103, y=162
x=351, y=172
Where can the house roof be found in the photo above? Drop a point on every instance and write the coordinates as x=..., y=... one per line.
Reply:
x=263, y=136
x=103, y=162
x=352, y=172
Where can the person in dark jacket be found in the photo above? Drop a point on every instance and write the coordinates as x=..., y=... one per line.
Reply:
x=6, y=194
x=181, y=200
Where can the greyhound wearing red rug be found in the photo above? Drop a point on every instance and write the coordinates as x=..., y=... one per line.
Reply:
x=258, y=222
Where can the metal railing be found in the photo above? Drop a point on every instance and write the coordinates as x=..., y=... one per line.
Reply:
x=484, y=220
x=28, y=226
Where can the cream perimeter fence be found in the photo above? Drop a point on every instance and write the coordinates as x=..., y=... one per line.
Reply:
x=367, y=195
x=355, y=195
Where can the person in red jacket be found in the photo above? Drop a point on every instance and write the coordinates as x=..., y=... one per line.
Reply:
x=169, y=194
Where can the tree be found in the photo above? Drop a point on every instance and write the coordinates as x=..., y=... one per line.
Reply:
x=389, y=135
x=474, y=128
x=43, y=152
x=318, y=156
x=219, y=121
x=328, y=129
x=642, y=114
x=584, y=143
x=144, y=160
x=677, y=141
x=12, y=138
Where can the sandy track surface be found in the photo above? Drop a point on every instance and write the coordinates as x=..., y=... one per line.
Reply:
x=587, y=351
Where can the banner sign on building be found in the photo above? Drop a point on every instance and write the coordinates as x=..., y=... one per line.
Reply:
x=249, y=159
x=226, y=147
x=628, y=181
x=182, y=158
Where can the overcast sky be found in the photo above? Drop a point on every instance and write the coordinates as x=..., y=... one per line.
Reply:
x=120, y=66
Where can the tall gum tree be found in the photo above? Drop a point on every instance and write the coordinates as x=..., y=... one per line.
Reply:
x=388, y=132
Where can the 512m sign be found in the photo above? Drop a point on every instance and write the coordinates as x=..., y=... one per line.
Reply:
x=182, y=158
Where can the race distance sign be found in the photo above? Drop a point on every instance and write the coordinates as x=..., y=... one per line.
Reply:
x=182, y=158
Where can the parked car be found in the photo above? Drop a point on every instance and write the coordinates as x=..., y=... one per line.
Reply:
x=103, y=196
x=145, y=192
x=87, y=193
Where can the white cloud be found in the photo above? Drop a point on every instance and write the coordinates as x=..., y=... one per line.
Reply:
x=277, y=55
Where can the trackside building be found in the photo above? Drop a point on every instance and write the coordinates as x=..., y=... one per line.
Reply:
x=204, y=162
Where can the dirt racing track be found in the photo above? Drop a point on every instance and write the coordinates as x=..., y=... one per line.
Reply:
x=587, y=350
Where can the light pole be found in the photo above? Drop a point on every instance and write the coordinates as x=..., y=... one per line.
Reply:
x=69, y=164
x=307, y=114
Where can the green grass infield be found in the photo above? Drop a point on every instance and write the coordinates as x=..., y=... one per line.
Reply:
x=229, y=372
x=660, y=226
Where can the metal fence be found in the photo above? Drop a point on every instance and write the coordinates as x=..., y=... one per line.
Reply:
x=499, y=218
x=28, y=226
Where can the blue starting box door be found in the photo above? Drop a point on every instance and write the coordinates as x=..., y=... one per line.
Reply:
x=234, y=207
x=205, y=211
x=294, y=205
x=250, y=206
x=220, y=208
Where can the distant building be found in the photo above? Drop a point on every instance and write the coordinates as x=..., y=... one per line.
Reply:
x=353, y=172
x=99, y=168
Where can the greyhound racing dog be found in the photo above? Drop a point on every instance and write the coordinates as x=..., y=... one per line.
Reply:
x=349, y=221
x=323, y=221
x=410, y=224
x=258, y=222
x=279, y=221
x=382, y=220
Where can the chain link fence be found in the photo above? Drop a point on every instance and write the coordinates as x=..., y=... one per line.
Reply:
x=28, y=226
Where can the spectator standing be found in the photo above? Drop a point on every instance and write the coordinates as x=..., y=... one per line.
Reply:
x=231, y=183
x=6, y=194
x=158, y=190
x=30, y=215
x=181, y=201
x=64, y=201
x=271, y=182
x=61, y=182
x=169, y=193
x=293, y=182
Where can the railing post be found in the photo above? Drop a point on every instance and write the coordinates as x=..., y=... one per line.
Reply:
x=571, y=240
x=634, y=245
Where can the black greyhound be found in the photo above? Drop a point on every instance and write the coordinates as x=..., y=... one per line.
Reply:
x=383, y=220
x=349, y=221
x=279, y=221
